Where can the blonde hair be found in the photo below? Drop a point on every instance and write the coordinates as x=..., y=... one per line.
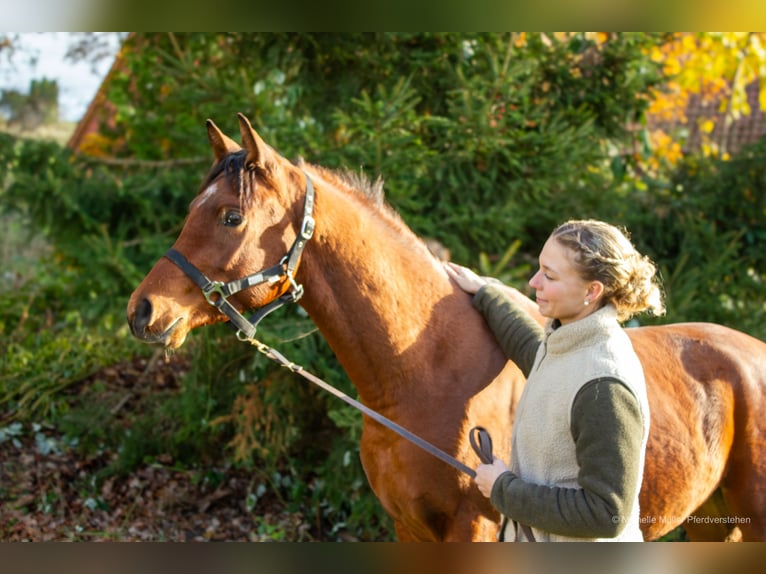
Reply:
x=605, y=253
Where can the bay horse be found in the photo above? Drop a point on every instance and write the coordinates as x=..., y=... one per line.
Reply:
x=419, y=354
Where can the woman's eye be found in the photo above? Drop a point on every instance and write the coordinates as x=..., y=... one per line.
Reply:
x=232, y=219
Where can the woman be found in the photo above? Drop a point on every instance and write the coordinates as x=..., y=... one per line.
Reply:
x=581, y=425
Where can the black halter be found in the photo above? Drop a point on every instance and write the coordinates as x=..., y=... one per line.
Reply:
x=217, y=292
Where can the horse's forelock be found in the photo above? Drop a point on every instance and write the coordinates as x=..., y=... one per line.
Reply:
x=233, y=169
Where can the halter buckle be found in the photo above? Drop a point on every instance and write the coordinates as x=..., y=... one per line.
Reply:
x=307, y=228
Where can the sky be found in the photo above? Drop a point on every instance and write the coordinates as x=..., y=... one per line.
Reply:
x=42, y=56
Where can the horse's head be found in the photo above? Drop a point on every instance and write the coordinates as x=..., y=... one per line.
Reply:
x=239, y=246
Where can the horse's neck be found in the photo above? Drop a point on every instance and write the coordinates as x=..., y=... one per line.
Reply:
x=383, y=303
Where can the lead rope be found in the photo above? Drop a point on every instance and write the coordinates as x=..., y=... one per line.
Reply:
x=483, y=447
x=479, y=437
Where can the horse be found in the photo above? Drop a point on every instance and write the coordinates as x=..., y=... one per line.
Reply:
x=418, y=353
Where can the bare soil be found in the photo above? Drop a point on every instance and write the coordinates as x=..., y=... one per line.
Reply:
x=49, y=492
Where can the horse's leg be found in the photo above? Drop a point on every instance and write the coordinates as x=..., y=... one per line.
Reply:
x=744, y=484
x=468, y=526
x=745, y=492
x=737, y=510
x=403, y=534
x=709, y=523
x=422, y=522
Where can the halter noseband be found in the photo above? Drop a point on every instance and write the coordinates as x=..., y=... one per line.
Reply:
x=217, y=292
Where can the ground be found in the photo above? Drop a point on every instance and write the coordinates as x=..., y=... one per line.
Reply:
x=49, y=492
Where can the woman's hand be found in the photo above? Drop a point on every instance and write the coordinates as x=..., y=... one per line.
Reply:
x=487, y=474
x=466, y=279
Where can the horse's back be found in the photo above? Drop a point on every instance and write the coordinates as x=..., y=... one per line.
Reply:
x=707, y=393
x=705, y=352
x=698, y=332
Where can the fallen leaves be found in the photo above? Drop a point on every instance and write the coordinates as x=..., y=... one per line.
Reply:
x=49, y=492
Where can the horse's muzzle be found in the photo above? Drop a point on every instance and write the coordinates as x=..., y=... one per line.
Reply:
x=140, y=319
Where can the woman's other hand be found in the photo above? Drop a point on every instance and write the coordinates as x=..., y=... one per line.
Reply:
x=466, y=279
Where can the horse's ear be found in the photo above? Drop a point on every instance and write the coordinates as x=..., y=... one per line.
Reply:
x=220, y=142
x=258, y=153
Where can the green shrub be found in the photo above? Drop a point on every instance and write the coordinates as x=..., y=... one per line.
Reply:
x=706, y=228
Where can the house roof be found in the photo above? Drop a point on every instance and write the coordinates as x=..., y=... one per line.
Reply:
x=729, y=134
x=99, y=110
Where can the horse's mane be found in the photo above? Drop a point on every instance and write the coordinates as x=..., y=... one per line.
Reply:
x=371, y=192
x=356, y=181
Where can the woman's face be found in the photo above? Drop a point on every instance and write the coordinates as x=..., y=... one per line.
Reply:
x=559, y=290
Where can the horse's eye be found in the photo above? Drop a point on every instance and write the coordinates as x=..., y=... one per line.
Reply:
x=232, y=219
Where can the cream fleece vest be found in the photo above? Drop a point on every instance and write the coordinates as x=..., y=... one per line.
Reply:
x=543, y=450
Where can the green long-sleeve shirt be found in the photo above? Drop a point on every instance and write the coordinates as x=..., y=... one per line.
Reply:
x=606, y=427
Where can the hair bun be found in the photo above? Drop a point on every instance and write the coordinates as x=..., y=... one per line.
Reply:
x=605, y=253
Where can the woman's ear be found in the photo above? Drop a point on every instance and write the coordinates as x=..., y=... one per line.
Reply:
x=595, y=291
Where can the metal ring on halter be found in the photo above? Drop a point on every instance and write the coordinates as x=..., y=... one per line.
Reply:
x=215, y=288
x=297, y=288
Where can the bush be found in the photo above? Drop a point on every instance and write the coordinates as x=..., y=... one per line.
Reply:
x=706, y=229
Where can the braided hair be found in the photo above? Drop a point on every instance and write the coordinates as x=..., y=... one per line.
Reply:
x=605, y=253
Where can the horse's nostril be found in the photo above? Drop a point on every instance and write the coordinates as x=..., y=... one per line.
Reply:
x=143, y=315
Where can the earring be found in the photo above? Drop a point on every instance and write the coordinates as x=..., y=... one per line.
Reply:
x=586, y=303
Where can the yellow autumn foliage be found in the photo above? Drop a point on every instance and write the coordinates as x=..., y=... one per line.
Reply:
x=716, y=68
